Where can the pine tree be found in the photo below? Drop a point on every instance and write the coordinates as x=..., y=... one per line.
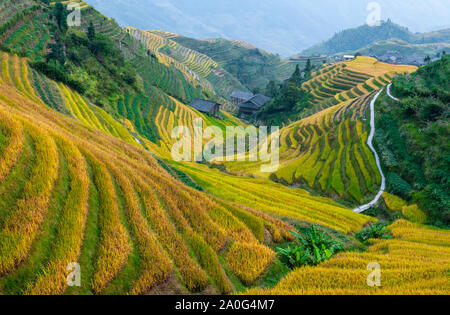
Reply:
x=60, y=14
x=271, y=89
x=296, y=76
x=91, y=32
x=308, y=67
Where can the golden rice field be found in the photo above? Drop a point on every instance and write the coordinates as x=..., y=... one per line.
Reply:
x=70, y=192
x=327, y=151
x=349, y=80
x=275, y=199
x=393, y=202
x=154, y=116
x=78, y=186
x=416, y=261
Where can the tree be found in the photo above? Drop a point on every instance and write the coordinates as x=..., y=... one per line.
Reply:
x=296, y=77
x=57, y=52
x=271, y=89
x=308, y=67
x=60, y=14
x=91, y=32
x=427, y=59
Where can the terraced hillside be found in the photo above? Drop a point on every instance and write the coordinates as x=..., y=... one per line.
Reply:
x=29, y=31
x=190, y=62
x=158, y=71
x=328, y=151
x=131, y=224
x=253, y=67
x=156, y=114
x=82, y=185
x=349, y=80
x=15, y=70
x=22, y=21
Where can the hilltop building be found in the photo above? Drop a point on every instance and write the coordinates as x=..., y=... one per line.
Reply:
x=239, y=96
x=395, y=57
x=206, y=107
x=253, y=105
x=349, y=57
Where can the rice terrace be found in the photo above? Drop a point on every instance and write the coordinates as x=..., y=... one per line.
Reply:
x=138, y=159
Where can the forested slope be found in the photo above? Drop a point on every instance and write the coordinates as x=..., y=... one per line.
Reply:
x=413, y=138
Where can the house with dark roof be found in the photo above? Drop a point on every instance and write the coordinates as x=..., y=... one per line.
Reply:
x=205, y=106
x=239, y=96
x=253, y=105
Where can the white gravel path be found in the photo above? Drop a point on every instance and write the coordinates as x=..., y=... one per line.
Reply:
x=377, y=158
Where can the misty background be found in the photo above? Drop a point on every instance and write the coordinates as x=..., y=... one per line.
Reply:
x=286, y=27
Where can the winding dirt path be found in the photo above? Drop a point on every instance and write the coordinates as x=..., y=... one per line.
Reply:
x=366, y=207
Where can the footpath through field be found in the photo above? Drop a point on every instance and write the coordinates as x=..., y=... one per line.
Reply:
x=377, y=158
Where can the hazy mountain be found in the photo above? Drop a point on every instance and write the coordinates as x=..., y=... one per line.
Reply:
x=357, y=38
x=283, y=26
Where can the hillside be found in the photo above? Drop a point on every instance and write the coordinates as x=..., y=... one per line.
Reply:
x=192, y=62
x=88, y=179
x=118, y=186
x=364, y=38
x=413, y=136
x=405, y=50
x=328, y=87
x=253, y=67
x=327, y=151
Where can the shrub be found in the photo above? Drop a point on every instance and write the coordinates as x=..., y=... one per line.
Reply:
x=398, y=185
x=431, y=110
x=309, y=249
x=374, y=230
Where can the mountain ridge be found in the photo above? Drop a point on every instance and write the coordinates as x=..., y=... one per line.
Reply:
x=359, y=39
x=285, y=27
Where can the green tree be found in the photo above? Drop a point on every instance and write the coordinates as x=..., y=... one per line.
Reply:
x=271, y=89
x=308, y=67
x=57, y=52
x=296, y=77
x=91, y=32
x=60, y=14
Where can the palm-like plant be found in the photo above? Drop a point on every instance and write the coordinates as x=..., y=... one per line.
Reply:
x=311, y=248
x=376, y=230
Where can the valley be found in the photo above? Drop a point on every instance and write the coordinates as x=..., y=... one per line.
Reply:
x=88, y=179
